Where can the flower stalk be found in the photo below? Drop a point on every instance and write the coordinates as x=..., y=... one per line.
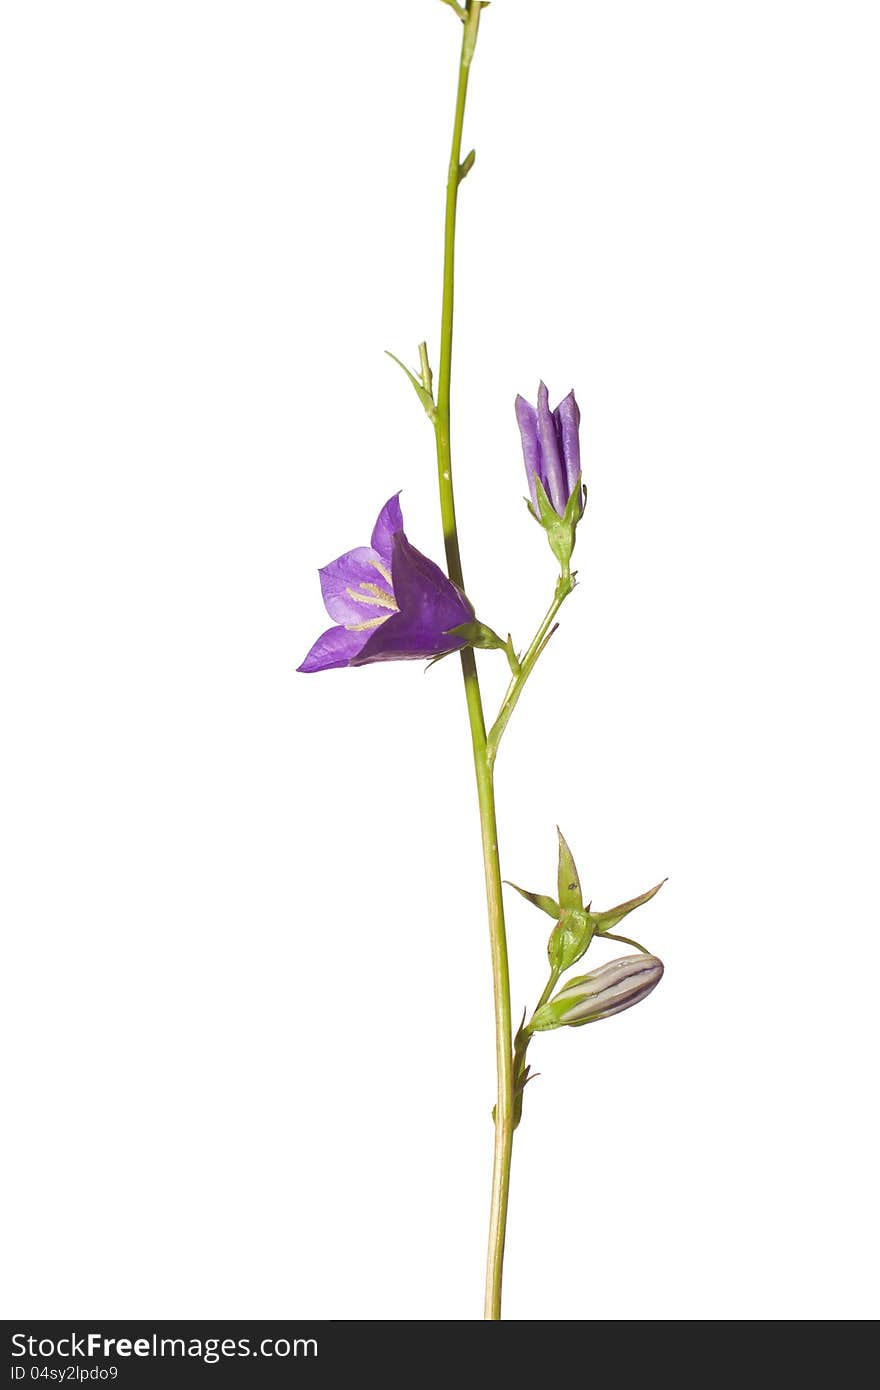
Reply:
x=504, y=1104
x=564, y=586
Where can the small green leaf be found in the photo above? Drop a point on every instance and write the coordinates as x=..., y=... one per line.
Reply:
x=427, y=375
x=604, y=921
x=466, y=165
x=423, y=394
x=540, y=900
x=568, y=881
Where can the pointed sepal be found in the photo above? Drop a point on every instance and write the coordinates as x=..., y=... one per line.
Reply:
x=567, y=878
x=477, y=634
x=605, y=921
x=560, y=529
x=541, y=900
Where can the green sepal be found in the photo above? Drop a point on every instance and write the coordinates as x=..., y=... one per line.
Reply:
x=541, y=900
x=549, y=1015
x=477, y=634
x=435, y=659
x=567, y=878
x=569, y=940
x=420, y=389
x=560, y=529
x=605, y=921
x=547, y=513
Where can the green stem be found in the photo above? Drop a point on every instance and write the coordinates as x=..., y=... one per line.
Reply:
x=564, y=586
x=548, y=990
x=521, y=1044
x=504, y=1119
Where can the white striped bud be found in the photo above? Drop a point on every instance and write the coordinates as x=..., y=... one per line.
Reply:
x=608, y=990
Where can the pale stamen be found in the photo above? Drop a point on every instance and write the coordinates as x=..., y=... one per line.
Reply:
x=371, y=622
x=373, y=595
x=377, y=565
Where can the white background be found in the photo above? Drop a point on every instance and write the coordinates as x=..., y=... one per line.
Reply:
x=247, y=1018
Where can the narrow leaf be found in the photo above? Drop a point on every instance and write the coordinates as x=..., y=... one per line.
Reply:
x=424, y=396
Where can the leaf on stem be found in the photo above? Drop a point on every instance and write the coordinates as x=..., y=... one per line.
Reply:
x=421, y=391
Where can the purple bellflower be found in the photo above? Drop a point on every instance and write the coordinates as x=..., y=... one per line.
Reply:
x=551, y=447
x=552, y=454
x=391, y=603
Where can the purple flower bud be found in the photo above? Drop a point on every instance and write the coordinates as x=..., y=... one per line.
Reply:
x=551, y=447
x=391, y=603
x=608, y=990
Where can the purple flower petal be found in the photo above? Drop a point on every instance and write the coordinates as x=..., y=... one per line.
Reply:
x=357, y=588
x=567, y=417
x=420, y=583
x=429, y=603
x=335, y=647
x=552, y=471
x=389, y=520
x=527, y=420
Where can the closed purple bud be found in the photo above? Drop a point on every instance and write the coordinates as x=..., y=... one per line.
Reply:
x=551, y=447
x=607, y=990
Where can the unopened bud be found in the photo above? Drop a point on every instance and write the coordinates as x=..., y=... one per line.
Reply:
x=608, y=990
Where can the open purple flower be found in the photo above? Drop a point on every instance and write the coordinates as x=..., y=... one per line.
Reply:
x=551, y=447
x=391, y=603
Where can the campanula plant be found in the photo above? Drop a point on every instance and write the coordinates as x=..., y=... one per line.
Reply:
x=389, y=602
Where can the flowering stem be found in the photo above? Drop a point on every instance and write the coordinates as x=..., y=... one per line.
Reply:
x=504, y=1107
x=522, y=1040
x=548, y=990
x=564, y=585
